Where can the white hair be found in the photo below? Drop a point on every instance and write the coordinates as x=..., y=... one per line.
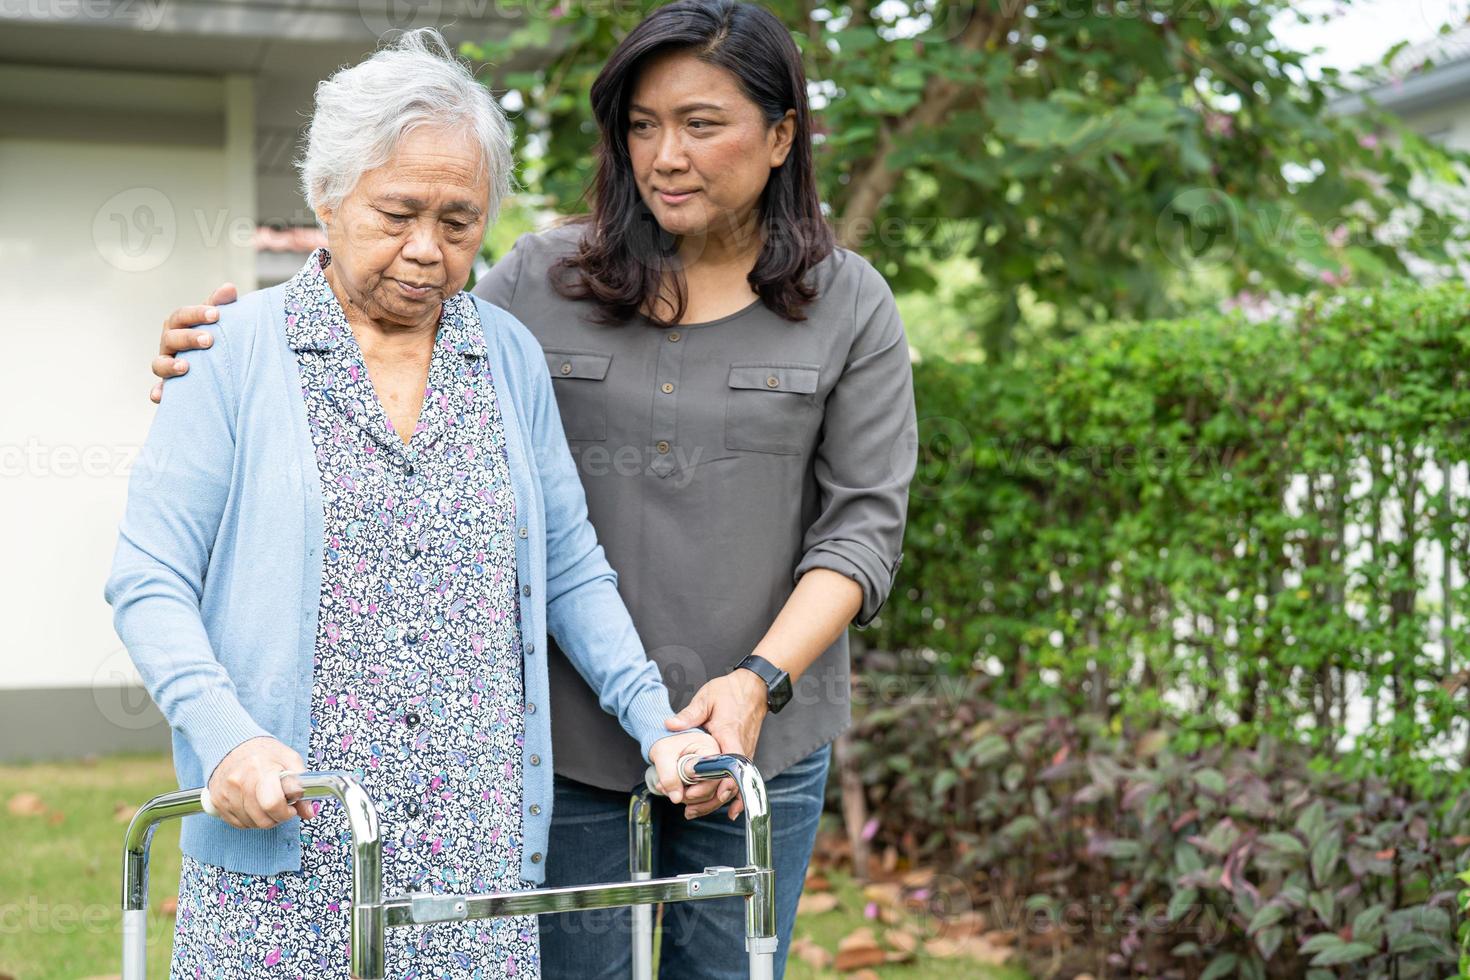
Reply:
x=362, y=113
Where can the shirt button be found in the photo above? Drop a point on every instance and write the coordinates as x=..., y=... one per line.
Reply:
x=535, y=760
x=411, y=639
x=412, y=549
x=772, y=381
x=536, y=858
x=662, y=446
x=535, y=809
x=412, y=719
x=667, y=388
x=674, y=337
x=523, y=532
x=566, y=369
x=411, y=808
x=525, y=590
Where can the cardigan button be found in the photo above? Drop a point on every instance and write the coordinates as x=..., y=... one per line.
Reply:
x=535, y=759
x=523, y=531
x=525, y=590
x=535, y=809
x=536, y=858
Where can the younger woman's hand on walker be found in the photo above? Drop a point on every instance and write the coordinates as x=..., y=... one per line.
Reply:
x=665, y=755
x=732, y=706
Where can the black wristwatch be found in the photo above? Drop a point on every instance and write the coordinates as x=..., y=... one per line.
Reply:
x=778, y=682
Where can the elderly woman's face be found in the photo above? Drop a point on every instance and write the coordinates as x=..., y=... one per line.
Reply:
x=404, y=240
x=701, y=150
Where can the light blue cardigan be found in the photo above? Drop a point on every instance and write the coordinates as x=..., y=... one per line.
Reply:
x=217, y=574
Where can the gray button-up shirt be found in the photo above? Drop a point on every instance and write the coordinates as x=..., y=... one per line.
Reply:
x=722, y=461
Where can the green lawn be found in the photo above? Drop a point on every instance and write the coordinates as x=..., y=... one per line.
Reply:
x=60, y=879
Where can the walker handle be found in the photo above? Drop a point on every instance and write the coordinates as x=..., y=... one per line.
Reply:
x=686, y=774
x=206, y=803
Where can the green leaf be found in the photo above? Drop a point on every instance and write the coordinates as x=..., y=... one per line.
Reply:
x=1324, y=857
x=1322, y=904
x=1268, y=941
x=1283, y=842
x=1342, y=952
x=1220, y=966
x=1181, y=903
x=1366, y=921
x=1267, y=915
x=1212, y=780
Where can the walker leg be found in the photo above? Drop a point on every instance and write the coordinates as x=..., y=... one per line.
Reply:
x=762, y=966
x=640, y=867
x=135, y=944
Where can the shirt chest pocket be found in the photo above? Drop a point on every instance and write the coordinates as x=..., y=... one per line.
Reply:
x=771, y=408
x=580, y=378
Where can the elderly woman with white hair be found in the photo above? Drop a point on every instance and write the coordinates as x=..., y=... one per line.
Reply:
x=352, y=527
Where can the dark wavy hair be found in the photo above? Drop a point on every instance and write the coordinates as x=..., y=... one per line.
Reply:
x=625, y=254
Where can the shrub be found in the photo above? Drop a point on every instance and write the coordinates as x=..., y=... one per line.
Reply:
x=1234, y=528
x=1226, y=861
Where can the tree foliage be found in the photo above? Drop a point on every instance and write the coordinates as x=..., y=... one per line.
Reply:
x=1092, y=159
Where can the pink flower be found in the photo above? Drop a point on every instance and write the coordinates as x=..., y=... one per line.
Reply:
x=273, y=957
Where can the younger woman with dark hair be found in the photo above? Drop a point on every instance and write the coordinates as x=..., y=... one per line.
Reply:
x=738, y=395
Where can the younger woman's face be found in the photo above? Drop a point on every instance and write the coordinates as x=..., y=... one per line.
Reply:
x=701, y=150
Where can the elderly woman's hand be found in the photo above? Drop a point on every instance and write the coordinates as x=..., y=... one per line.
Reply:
x=248, y=791
x=665, y=754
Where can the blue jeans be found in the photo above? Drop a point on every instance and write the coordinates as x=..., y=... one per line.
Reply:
x=705, y=939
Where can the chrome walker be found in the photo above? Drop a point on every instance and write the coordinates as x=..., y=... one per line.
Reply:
x=373, y=914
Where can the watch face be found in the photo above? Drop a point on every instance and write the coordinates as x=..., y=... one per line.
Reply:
x=780, y=694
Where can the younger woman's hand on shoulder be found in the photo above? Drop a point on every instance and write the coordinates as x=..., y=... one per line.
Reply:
x=186, y=329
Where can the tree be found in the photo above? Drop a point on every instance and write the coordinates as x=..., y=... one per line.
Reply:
x=1091, y=159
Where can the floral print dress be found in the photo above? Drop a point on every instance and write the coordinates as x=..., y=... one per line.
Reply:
x=417, y=683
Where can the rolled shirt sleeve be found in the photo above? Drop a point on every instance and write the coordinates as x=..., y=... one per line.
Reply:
x=866, y=454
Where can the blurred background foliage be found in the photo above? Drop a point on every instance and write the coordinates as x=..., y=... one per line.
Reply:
x=1037, y=167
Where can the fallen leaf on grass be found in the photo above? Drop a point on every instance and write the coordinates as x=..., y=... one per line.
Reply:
x=26, y=805
x=810, y=953
x=816, y=903
x=975, y=947
x=884, y=893
x=858, y=949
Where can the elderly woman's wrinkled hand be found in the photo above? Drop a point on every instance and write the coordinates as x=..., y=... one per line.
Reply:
x=665, y=755
x=247, y=790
